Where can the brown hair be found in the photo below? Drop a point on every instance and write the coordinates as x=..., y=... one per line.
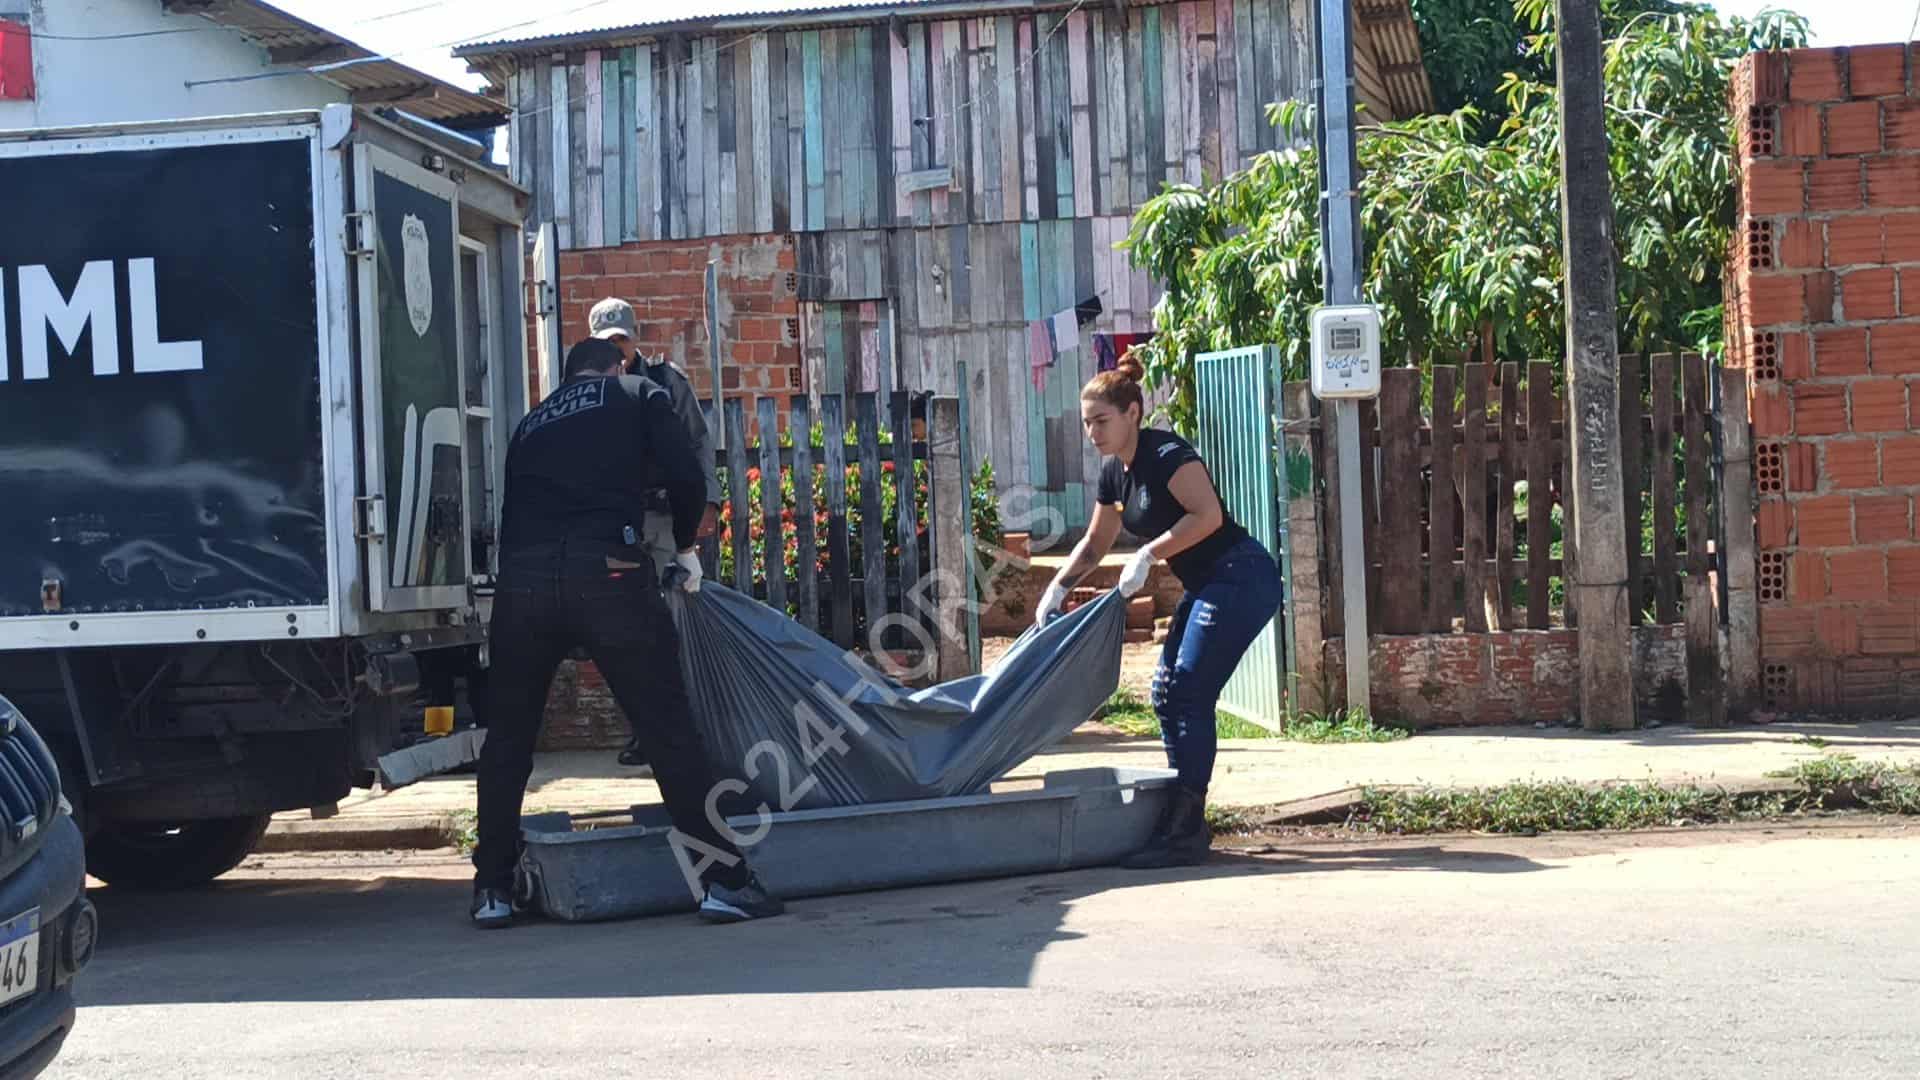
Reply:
x=1118, y=388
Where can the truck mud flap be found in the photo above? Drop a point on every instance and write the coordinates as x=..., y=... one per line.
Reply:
x=416, y=763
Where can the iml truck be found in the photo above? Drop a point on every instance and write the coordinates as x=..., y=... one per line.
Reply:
x=257, y=378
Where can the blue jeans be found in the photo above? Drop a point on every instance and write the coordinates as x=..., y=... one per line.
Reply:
x=1211, y=631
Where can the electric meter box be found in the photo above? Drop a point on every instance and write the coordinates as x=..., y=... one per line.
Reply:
x=1346, y=352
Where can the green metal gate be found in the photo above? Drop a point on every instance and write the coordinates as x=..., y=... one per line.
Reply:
x=1239, y=404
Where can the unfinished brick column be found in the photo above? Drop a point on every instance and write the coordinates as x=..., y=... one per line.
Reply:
x=1823, y=308
x=664, y=280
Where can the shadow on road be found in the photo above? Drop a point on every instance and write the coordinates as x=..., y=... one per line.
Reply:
x=1392, y=855
x=332, y=938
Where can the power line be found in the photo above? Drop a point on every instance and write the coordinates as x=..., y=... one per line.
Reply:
x=404, y=11
x=322, y=69
x=1028, y=61
x=212, y=27
x=587, y=98
x=1023, y=65
x=131, y=35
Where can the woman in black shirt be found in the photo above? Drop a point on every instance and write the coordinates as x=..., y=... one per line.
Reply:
x=1154, y=483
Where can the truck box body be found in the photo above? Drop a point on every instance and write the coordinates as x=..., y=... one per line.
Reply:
x=161, y=446
x=236, y=395
x=257, y=378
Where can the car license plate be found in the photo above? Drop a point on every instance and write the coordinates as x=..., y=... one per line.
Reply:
x=19, y=956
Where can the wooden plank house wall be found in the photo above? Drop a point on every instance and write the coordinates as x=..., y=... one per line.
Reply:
x=947, y=180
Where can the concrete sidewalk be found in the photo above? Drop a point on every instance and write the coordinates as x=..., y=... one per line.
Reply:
x=1249, y=772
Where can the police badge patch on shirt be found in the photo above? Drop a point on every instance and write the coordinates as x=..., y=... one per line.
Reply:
x=570, y=400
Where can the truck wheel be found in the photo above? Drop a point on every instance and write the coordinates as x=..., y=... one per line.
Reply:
x=132, y=855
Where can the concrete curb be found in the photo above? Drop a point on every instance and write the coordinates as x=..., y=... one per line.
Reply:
x=420, y=832
x=417, y=832
x=1334, y=807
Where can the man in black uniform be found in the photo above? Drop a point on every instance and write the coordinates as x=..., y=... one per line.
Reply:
x=613, y=320
x=573, y=572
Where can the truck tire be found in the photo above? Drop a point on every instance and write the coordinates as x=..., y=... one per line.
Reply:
x=130, y=855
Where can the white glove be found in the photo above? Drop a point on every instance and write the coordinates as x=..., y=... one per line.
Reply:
x=1133, y=577
x=1051, y=602
x=689, y=563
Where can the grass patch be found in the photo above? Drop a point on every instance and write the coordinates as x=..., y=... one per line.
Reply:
x=465, y=827
x=1833, y=782
x=1841, y=781
x=1133, y=716
x=1554, y=806
x=1127, y=711
x=1341, y=726
x=1230, y=820
x=1814, y=741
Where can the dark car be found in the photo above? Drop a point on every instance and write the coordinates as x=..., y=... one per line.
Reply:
x=46, y=923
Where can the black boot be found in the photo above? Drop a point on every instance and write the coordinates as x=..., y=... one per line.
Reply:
x=1182, y=838
x=633, y=756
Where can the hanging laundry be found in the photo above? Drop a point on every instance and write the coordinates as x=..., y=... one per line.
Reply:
x=1123, y=342
x=1039, y=351
x=1105, y=358
x=1088, y=310
x=1066, y=332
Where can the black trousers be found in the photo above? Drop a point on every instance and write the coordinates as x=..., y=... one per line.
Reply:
x=604, y=598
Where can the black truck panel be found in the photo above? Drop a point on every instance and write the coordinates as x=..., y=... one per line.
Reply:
x=160, y=422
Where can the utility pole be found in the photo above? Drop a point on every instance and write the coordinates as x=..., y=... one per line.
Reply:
x=716, y=349
x=1598, y=528
x=1340, y=246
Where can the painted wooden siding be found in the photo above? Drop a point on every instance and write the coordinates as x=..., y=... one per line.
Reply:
x=966, y=293
x=1075, y=114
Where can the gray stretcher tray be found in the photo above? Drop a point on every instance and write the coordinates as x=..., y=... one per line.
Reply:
x=1078, y=818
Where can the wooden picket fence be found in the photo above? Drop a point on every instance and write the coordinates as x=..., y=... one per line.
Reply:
x=852, y=564
x=1464, y=504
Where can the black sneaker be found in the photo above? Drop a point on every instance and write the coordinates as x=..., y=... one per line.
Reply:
x=633, y=757
x=492, y=908
x=750, y=901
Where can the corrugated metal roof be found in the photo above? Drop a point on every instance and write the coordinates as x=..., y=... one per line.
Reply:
x=371, y=80
x=1386, y=26
x=558, y=32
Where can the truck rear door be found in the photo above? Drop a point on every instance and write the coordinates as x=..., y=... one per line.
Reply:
x=413, y=394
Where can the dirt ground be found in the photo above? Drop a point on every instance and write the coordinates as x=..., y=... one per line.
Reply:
x=1136, y=661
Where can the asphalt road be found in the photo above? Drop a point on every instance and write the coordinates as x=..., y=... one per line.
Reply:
x=1722, y=953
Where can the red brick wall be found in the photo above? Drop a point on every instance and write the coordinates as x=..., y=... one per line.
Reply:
x=1823, y=305
x=1520, y=676
x=581, y=713
x=665, y=283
